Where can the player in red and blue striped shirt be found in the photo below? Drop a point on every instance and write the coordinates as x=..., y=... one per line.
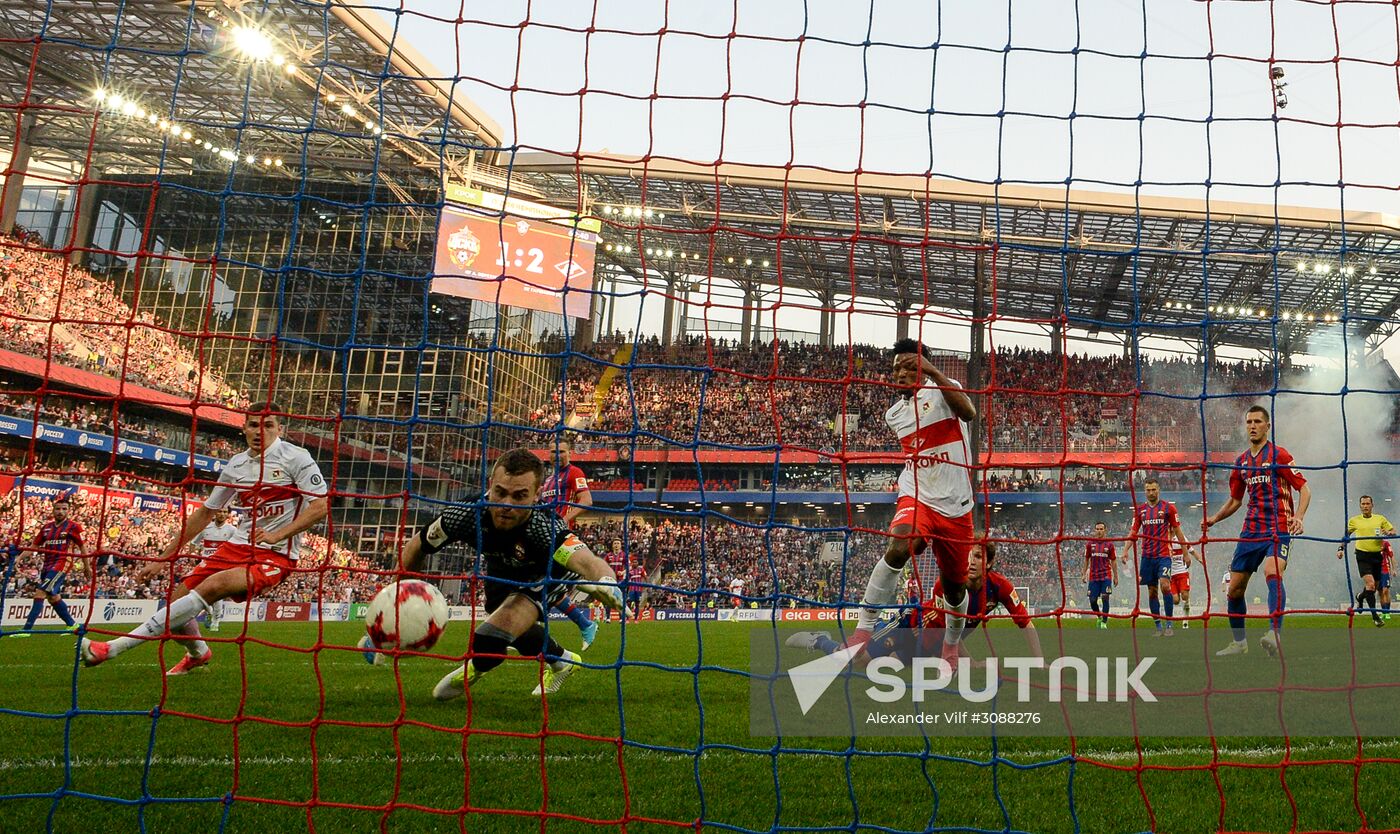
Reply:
x=567, y=493
x=1154, y=524
x=1266, y=473
x=1100, y=570
x=59, y=539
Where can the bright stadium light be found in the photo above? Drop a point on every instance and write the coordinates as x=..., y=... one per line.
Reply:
x=347, y=110
x=1302, y=266
x=291, y=69
x=1371, y=271
x=99, y=95
x=253, y=43
x=251, y=159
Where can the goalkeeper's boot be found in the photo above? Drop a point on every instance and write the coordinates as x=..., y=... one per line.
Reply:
x=1269, y=643
x=1234, y=647
x=189, y=663
x=372, y=655
x=589, y=634
x=93, y=652
x=554, y=680
x=455, y=683
x=806, y=640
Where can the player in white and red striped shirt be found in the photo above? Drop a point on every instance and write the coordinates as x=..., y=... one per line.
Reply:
x=932, y=420
x=280, y=493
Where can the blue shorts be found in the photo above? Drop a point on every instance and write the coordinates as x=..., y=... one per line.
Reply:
x=51, y=582
x=1100, y=587
x=1383, y=580
x=1250, y=555
x=1153, y=569
x=900, y=642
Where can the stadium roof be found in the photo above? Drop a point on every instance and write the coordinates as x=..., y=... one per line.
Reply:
x=318, y=95
x=1102, y=260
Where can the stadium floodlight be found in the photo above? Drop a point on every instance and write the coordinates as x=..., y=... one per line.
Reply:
x=291, y=69
x=278, y=60
x=1371, y=271
x=1302, y=266
x=99, y=95
x=765, y=264
x=251, y=159
x=253, y=43
x=348, y=110
x=128, y=108
x=185, y=134
x=277, y=163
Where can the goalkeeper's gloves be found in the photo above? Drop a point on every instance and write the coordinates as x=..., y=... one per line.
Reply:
x=605, y=591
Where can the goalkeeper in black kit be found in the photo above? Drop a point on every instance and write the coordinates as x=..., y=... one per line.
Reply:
x=529, y=560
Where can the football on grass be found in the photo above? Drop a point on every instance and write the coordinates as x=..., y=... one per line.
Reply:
x=408, y=614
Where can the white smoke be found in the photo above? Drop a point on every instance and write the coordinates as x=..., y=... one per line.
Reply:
x=1335, y=415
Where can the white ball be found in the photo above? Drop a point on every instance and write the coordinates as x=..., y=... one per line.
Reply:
x=408, y=614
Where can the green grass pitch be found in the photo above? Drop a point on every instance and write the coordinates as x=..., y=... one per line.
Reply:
x=315, y=728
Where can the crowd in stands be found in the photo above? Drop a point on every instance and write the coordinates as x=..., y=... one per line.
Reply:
x=74, y=413
x=46, y=305
x=723, y=393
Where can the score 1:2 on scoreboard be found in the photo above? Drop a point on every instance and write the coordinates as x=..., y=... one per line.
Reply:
x=514, y=252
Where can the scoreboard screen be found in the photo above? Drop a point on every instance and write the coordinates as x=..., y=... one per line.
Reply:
x=514, y=252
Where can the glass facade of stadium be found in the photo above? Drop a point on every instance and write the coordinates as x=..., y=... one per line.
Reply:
x=316, y=295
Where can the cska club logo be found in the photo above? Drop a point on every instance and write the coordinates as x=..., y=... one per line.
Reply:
x=463, y=247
